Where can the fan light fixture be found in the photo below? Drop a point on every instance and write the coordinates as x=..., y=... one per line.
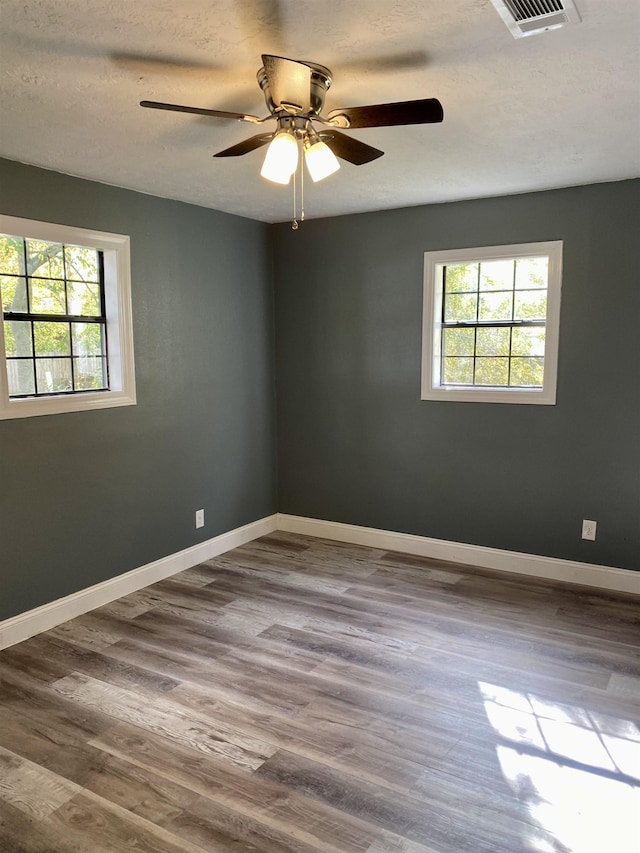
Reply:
x=282, y=158
x=320, y=159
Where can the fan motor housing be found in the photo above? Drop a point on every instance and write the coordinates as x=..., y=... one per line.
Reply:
x=320, y=82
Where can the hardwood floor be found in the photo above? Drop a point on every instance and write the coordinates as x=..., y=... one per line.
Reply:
x=297, y=695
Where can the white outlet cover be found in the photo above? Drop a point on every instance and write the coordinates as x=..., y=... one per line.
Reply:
x=199, y=518
x=589, y=529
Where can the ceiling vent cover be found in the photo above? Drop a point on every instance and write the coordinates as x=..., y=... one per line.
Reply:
x=530, y=17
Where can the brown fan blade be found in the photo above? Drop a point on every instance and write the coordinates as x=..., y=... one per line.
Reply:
x=350, y=149
x=289, y=81
x=200, y=111
x=247, y=145
x=426, y=111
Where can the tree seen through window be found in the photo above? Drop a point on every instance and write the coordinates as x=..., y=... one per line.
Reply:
x=493, y=323
x=54, y=317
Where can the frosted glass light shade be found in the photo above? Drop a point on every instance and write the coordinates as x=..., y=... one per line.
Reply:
x=281, y=160
x=321, y=161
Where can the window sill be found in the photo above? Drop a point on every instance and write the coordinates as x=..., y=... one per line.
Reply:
x=55, y=405
x=490, y=395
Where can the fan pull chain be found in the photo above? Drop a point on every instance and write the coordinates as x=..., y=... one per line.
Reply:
x=301, y=187
x=294, y=223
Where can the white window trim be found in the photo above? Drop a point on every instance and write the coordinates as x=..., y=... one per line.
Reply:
x=434, y=262
x=117, y=274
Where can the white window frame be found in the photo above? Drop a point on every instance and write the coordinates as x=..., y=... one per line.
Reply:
x=434, y=264
x=117, y=284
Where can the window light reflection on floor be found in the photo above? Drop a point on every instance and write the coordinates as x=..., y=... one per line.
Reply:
x=576, y=771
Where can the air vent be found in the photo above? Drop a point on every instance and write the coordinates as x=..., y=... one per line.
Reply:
x=530, y=17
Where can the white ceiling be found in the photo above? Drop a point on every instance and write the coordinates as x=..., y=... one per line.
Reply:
x=545, y=111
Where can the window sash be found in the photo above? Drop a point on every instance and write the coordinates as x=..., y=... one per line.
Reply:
x=33, y=318
x=487, y=324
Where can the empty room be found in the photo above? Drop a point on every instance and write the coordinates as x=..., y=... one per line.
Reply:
x=320, y=426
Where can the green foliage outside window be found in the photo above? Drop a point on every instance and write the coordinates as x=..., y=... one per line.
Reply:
x=494, y=315
x=67, y=352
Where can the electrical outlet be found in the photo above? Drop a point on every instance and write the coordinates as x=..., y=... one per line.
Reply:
x=199, y=518
x=589, y=529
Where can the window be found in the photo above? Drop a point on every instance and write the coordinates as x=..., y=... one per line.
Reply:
x=66, y=338
x=491, y=321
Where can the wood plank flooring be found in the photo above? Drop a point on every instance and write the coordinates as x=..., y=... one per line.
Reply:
x=297, y=695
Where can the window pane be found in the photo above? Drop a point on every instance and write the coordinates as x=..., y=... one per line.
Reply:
x=492, y=371
x=44, y=259
x=527, y=341
x=51, y=338
x=81, y=263
x=11, y=255
x=47, y=296
x=53, y=375
x=459, y=341
x=87, y=338
x=495, y=306
x=84, y=299
x=14, y=293
x=530, y=305
x=89, y=373
x=21, y=378
x=531, y=272
x=527, y=371
x=17, y=337
x=458, y=371
x=460, y=307
x=496, y=275
x=492, y=341
x=461, y=278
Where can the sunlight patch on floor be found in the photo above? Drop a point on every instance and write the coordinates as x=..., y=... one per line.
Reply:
x=577, y=772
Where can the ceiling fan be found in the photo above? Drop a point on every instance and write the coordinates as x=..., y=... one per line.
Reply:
x=294, y=92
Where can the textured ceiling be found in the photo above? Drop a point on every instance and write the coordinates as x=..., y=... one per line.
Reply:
x=546, y=111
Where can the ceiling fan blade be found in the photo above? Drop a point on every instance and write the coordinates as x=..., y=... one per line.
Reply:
x=246, y=145
x=350, y=149
x=289, y=81
x=426, y=111
x=200, y=111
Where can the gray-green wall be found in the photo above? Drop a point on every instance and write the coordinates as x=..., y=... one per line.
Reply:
x=87, y=496
x=357, y=445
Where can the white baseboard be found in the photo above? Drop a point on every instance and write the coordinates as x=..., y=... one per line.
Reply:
x=569, y=571
x=26, y=625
